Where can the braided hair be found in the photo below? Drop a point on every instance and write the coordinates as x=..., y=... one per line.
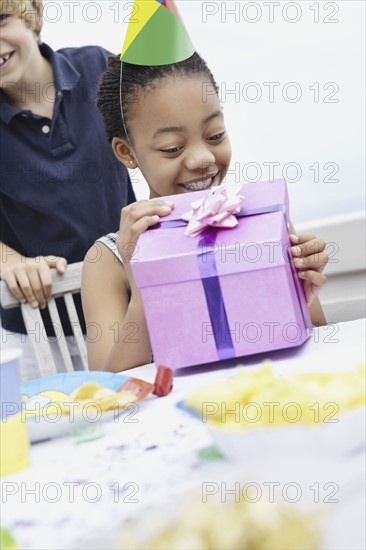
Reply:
x=137, y=79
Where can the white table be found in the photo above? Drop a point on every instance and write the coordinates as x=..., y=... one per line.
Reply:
x=83, y=491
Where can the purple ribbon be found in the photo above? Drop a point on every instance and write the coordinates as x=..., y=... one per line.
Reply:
x=214, y=298
x=171, y=224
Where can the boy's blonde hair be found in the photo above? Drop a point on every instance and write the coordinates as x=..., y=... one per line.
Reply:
x=30, y=11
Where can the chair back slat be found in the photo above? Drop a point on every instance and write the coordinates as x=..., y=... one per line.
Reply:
x=61, y=340
x=62, y=286
x=35, y=330
x=74, y=320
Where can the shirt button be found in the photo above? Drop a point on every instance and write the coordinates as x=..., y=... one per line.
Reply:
x=46, y=129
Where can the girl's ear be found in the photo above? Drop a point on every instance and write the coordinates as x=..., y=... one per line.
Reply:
x=123, y=152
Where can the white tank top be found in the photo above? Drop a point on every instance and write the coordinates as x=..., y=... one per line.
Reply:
x=110, y=241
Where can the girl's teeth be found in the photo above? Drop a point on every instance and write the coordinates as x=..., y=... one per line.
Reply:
x=199, y=185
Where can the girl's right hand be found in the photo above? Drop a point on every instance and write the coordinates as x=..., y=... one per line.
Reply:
x=137, y=218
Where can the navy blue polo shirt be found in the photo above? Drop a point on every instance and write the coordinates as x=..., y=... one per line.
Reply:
x=61, y=186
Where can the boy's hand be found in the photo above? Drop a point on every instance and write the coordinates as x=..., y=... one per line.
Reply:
x=30, y=279
x=310, y=260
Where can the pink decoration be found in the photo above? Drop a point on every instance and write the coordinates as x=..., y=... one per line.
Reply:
x=217, y=209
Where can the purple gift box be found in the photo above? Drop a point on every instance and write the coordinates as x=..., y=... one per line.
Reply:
x=225, y=293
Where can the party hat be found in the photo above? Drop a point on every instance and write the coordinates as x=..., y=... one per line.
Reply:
x=156, y=34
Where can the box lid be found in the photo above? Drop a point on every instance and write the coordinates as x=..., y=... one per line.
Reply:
x=165, y=255
x=260, y=195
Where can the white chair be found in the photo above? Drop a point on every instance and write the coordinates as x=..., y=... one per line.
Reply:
x=63, y=286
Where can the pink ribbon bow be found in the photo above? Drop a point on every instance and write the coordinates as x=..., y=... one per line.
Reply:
x=217, y=209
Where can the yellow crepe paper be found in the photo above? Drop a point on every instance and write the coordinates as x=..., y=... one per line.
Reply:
x=93, y=395
x=213, y=525
x=90, y=397
x=259, y=398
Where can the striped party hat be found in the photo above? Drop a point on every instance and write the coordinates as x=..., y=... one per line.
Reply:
x=156, y=34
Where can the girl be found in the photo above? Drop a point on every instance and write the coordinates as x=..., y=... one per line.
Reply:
x=177, y=138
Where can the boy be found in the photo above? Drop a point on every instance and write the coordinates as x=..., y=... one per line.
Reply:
x=61, y=186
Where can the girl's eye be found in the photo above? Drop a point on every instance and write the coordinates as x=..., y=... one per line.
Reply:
x=216, y=137
x=172, y=150
x=3, y=18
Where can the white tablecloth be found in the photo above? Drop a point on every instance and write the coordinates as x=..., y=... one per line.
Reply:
x=81, y=488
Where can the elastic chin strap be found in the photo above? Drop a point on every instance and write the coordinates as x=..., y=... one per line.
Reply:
x=122, y=116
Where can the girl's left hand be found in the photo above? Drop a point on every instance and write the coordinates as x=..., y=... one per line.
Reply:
x=310, y=260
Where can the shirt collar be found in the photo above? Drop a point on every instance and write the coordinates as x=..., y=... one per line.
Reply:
x=65, y=76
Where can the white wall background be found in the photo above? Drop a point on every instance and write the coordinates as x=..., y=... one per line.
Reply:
x=313, y=128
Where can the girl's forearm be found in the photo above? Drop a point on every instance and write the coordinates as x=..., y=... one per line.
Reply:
x=132, y=344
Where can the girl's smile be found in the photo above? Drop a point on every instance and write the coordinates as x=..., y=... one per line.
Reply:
x=201, y=184
x=181, y=145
